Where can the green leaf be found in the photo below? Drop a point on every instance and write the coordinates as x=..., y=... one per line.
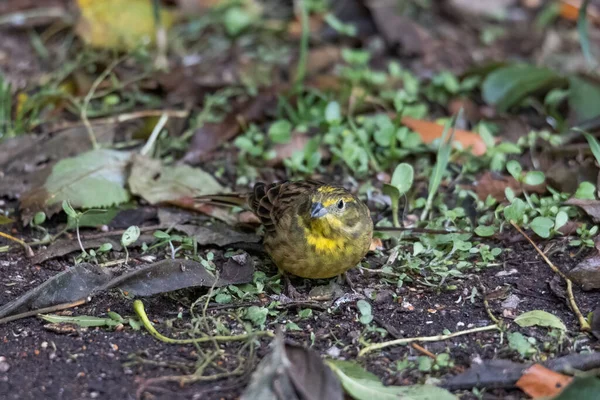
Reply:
x=115, y=317
x=594, y=145
x=333, y=113
x=280, y=131
x=5, y=220
x=162, y=235
x=581, y=388
x=158, y=183
x=257, y=315
x=485, y=230
x=94, y=218
x=366, y=315
x=39, y=218
x=540, y=318
x=586, y=191
x=95, y=179
x=506, y=87
x=403, y=177
x=236, y=20
x=542, y=226
x=561, y=219
x=82, y=320
x=518, y=342
x=584, y=97
x=68, y=209
x=516, y=211
x=363, y=385
x=130, y=236
x=534, y=178
x=514, y=169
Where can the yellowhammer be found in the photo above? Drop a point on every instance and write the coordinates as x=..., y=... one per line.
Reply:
x=312, y=230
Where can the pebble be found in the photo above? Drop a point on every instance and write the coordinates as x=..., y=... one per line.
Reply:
x=4, y=366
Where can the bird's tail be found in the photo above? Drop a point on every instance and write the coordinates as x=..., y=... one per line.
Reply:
x=228, y=199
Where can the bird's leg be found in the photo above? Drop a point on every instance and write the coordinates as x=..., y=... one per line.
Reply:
x=346, y=278
x=290, y=290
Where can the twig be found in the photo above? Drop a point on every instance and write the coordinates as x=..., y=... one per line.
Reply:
x=138, y=306
x=88, y=98
x=154, y=135
x=55, y=308
x=124, y=118
x=486, y=305
x=26, y=247
x=584, y=326
x=423, y=350
x=437, y=338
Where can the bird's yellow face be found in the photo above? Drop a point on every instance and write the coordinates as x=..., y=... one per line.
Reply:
x=333, y=217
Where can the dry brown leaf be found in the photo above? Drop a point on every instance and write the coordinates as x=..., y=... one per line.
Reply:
x=211, y=135
x=591, y=207
x=376, y=244
x=569, y=9
x=494, y=184
x=539, y=381
x=429, y=131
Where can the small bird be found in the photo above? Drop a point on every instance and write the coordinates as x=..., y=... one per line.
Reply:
x=312, y=229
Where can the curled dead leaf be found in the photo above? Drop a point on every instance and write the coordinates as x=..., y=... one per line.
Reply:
x=538, y=381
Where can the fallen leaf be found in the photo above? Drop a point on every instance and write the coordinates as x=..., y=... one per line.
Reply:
x=591, y=207
x=298, y=142
x=211, y=135
x=587, y=272
x=399, y=32
x=430, y=131
x=119, y=24
x=217, y=234
x=363, y=385
x=83, y=280
x=73, y=284
x=505, y=87
x=157, y=183
x=376, y=244
x=494, y=184
x=80, y=320
x=569, y=9
x=292, y=372
x=95, y=179
x=538, y=381
x=175, y=274
x=540, y=318
x=26, y=161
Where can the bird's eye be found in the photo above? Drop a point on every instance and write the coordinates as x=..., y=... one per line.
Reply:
x=340, y=204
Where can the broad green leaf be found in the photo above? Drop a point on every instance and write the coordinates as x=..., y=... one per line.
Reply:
x=82, y=320
x=534, y=178
x=237, y=19
x=506, y=87
x=518, y=342
x=561, y=219
x=39, y=218
x=581, y=388
x=584, y=97
x=333, y=113
x=403, y=177
x=363, y=385
x=540, y=318
x=257, y=315
x=586, y=191
x=162, y=235
x=280, y=131
x=95, y=179
x=516, y=211
x=159, y=183
x=514, y=168
x=130, y=236
x=366, y=315
x=94, y=218
x=542, y=226
x=485, y=230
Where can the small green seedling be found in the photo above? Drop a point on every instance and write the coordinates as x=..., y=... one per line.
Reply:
x=129, y=237
x=401, y=182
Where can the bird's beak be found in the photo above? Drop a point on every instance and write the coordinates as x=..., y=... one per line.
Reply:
x=317, y=210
